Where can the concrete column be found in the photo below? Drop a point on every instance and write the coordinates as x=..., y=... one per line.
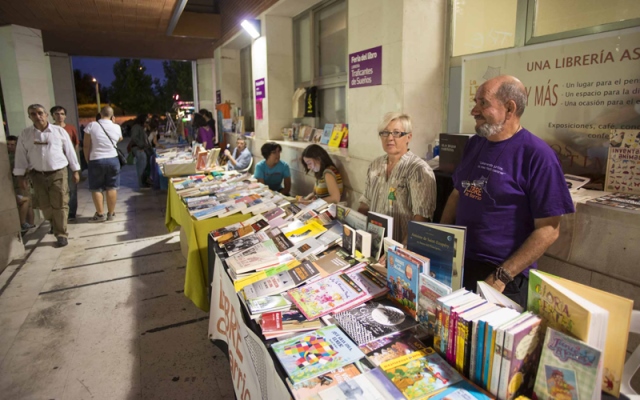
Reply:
x=64, y=89
x=412, y=35
x=227, y=67
x=206, y=85
x=25, y=74
x=11, y=245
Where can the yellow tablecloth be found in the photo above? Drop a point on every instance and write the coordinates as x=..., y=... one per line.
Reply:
x=196, y=277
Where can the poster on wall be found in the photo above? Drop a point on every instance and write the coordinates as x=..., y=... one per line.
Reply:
x=578, y=91
x=365, y=68
x=623, y=169
x=218, y=97
x=260, y=89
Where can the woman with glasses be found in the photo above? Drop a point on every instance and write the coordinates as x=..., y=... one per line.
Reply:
x=399, y=184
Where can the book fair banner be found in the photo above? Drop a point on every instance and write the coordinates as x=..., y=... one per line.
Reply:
x=578, y=91
x=365, y=68
x=252, y=370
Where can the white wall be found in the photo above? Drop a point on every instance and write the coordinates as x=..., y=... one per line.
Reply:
x=63, y=85
x=25, y=74
x=206, y=84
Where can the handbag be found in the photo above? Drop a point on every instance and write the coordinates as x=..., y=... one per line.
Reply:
x=121, y=156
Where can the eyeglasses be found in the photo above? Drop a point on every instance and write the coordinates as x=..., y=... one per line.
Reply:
x=385, y=134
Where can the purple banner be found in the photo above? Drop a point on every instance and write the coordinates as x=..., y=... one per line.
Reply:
x=260, y=90
x=218, y=97
x=365, y=68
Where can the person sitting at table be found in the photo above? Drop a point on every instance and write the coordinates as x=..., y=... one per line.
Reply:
x=399, y=184
x=328, y=184
x=271, y=171
x=241, y=157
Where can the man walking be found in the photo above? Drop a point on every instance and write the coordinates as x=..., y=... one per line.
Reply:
x=59, y=114
x=46, y=151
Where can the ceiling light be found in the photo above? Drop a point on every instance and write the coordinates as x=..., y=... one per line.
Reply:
x=252, y=27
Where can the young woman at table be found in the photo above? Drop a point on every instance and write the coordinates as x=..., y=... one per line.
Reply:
x=328, y=184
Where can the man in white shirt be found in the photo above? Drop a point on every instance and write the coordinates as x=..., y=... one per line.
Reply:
x=45, y=150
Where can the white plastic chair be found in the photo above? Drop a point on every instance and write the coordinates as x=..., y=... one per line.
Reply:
x=633, y=363
x=248, y=168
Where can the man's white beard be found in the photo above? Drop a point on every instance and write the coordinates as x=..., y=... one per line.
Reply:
x=486, y=130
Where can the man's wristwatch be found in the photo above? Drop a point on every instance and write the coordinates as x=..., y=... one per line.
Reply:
x=503, y=275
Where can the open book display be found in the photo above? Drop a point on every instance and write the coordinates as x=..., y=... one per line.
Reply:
x=340, y=323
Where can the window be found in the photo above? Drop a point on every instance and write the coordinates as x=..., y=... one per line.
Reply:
x=320, y=47
x=483, y=25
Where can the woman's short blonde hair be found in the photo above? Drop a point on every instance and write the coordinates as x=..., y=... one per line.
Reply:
x=396, y=116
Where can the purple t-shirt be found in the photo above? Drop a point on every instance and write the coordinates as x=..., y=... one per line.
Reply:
x=503, y=187
x=205, y=134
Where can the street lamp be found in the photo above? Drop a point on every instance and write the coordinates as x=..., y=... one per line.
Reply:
x=97, y=93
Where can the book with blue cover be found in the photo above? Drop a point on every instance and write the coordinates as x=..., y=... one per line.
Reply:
x=444, y=245
x=315, y=353
x=403, y=280
x=326, y=134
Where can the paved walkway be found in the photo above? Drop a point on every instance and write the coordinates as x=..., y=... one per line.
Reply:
x=106, y=317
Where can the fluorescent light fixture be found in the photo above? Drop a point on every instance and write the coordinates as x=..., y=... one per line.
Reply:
x=252, y=27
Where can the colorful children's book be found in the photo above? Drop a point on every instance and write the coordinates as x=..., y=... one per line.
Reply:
x=326, y=134
x=372, y=385
x=315, y=353
x=391, y=347
x=336, y=136
x=344, y=143
x=520, y=356
x=598, y=318
x=325, y=295
x=430, y=290
x=310, y=387
x=372, y=282
x=420, y=374
x=403, y=280
x=444, y=245
x=568, y=369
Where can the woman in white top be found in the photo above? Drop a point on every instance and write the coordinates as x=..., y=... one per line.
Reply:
x=104, y=167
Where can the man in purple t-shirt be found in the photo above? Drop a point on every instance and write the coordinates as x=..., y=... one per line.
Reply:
x=509, y=191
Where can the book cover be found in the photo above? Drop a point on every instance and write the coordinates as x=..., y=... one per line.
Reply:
x=373, y=283
x=420, y=374
x=310, y=229
x=344, y=143
x=620, y=201
x=239, y=284
x=336, y=136
x=287, y=321
x=617, y=325
x=268, y=303
x=307, y=132
x=372, y=321
x=326, y=134
x=623, y=162
x=451, y=151
x=335, y=260
x=310, y=387
x=521, y=349
x=568, y=368
x=315, y=353
x=276, y=212
x=377, y=237
x=391, y=347
x=444, y=245
x=279, y=239
x=244, y=243
x=259, y=256
x=430, y=291
x=372, y=385
x=403, y=280
x=349, y=239
x=281, y=282
x=323, y=296
x=317, y=136
x=463, y=390
x=363, y=243
x=307, y=247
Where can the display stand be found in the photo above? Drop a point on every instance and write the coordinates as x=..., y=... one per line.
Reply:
x=255, y=373
x=196, y=282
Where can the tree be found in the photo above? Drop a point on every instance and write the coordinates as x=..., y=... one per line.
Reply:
x=132, y=87
x=85, y=87
x=178, y=79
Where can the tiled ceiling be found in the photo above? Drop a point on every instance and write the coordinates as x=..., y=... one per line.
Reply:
x=115, y=28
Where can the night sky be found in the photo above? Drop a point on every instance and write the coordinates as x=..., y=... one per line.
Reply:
x=102, y=68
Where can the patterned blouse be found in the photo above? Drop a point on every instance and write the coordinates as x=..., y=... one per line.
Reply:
x=321, y=189
x=410, y=190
